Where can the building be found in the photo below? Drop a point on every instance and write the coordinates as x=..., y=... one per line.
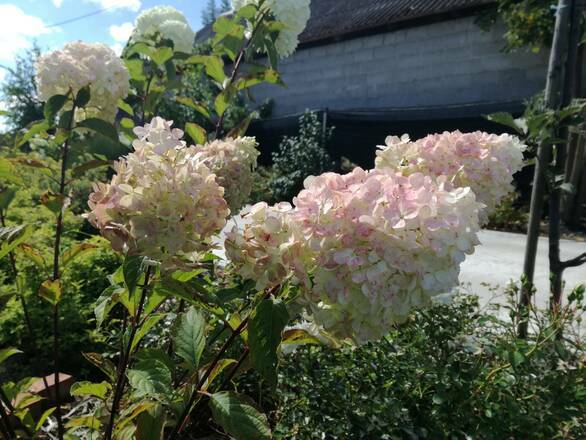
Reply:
x=379, y=67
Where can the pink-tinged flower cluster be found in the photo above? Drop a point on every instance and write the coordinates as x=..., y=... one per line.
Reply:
x=78, y=65
x=163, y=202
x=233, y=161
x=267, y=247
x=366, y=248
x=484, y=162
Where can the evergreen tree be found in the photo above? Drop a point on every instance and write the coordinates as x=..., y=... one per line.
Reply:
x=209, y=14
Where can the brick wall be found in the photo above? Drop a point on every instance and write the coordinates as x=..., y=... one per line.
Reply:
x=446, y=63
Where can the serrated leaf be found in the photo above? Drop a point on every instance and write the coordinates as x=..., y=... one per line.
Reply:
x=6, y=197
x=221, y=103
x=239, y=418
x=197, y=106
x=100, y=126
x=189, y=337
x=91, y=165
x=149, y=323
x=54, y=202
x=99, y=390
x=264, y=337
x=507, y=120
x=135, y=69
x=13, y=236
x=83, y=97
x=84, y=421
x=43, y=418
x=128, y=415
x=214, y=66
x=150, y=423
x=5, y=353
x=106, y=366
x=30, y=253
x=125, y=107
x=50, y=291
x=151, y=378
x=53, y=105
x=76, y=250
x=33, y=129
x=196, y=133
x=8, y=172
x=132, y=268
x=161, y=55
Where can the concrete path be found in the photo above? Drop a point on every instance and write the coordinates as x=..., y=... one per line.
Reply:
x=499, y=259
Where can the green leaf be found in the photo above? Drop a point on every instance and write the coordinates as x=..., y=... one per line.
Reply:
x=32, y=255
x=106, y=366
x=132, y=268
x=5, y=353
x=13, y=236
x=239, y=418
x=214, y=66
x=516, y=359
x=91, y=165
x=54, y=202
x=264, y=336
x=125, y=107
x=100, y=126
x=161, y=55
x=197, y=133
x=190, y=337
x=151, y=378
x=8, y=172
x=135, y=69
x=33, y=129
x=53, y=105
x=43, y=418
x=91, y=422
x=198, y=107
x=221, y=103
x=150, y=423
x=76, y=250
x=83, y=97
x=127, y=416
x=6, y=197
x=99, y=390
x=241, y=128
x=66, y=120
x=506, y=119
x=216, y=370
x=50, y=291
x=149, y=323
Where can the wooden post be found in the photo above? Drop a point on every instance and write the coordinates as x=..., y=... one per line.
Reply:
x=554, y=91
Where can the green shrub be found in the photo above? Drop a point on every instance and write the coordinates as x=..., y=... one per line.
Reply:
x=299, y=157
x=451, y=372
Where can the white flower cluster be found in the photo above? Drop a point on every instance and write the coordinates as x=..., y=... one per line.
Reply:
x=233, y=161
x=163, y=202
x=484, y=162
x=294, y=14
x=78, y=65
x=365, y=248
x=169, y=23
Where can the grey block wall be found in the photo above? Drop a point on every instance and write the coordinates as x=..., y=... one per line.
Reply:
x=446, y=63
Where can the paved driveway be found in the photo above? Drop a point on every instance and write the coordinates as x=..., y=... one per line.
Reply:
x=499, y=259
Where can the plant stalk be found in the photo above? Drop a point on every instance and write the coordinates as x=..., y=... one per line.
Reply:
x=554, y=99
x=57, y=274
x=123, y=365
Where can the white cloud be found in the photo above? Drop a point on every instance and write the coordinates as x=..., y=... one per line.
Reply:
x=17, y=30
x=117, y=48
x=133, y=5
x=121, y=33
x=57, y=3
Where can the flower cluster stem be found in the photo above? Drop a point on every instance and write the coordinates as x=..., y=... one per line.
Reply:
x=125, y=357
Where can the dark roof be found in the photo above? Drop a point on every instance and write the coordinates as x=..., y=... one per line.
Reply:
x=333, y=19
x=337, y=18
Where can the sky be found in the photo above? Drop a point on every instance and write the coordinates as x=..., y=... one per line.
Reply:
x=107, y=21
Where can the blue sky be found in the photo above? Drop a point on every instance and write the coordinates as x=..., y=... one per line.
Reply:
x=23, y=21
